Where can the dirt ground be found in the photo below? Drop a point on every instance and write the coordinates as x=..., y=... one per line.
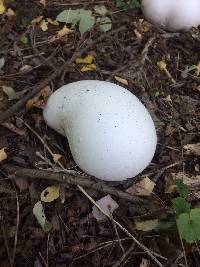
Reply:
x=132, y=50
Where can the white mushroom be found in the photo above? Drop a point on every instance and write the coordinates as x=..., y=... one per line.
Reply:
x=173, y=15
x=110, y=132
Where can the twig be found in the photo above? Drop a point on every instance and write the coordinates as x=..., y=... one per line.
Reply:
x=36, y=88
x=157, y=176
x=17, y=227
x=75, y=180
x=120, y=261
x=143, y=247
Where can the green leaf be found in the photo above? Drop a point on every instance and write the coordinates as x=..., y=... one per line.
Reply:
x=181, y=188
x=10, y=92
x=83, y=17
x=135, y=4
x=70, y=16
x=38, y=211
x=120, y=3
x=189, y=225
x=100, y=9
x=181, y=206
x=24, y=40
x=87, y=22
x=105, y=23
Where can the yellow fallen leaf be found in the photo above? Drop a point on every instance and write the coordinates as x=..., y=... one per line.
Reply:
x=162, y=65
x=50, y=194
x=10, y=12
x=146, y=225
x=64, y=31
x=121, y=80
x=44, y=25
x=3, y=154
x=89, y=67
x=86, y=60
x=2, y=7
x=53, y=22
x=143, y=188
x=37, y=20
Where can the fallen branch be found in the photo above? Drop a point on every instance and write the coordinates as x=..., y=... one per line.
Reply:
x=36, y=88
x=76, y=180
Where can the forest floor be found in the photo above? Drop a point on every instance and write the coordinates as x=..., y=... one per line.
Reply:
x=163, y=70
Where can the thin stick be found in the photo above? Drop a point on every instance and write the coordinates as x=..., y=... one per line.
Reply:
x=17, y=227
x=143, y=247
x=73, y=179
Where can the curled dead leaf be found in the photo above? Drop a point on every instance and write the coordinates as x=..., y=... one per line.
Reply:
x=121, y=80
x=40, y=99
x=143, y=188
x=50, y=194
x=86, y=60
x=37, y=20
x=192, y=149
x=3, y=154
x=89, y=67
x=44, y=25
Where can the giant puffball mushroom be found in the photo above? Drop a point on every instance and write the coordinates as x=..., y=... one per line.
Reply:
x=172, y=15
x=111, y=135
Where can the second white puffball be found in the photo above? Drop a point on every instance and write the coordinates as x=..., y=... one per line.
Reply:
x=173, y=15
x=110, y=132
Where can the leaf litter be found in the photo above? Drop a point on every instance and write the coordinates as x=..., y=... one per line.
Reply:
x=175, y=104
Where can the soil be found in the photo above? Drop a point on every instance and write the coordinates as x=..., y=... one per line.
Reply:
x=131, y=50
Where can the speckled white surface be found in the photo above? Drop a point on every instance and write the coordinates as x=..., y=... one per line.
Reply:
x=173, y=15
x=110, y=132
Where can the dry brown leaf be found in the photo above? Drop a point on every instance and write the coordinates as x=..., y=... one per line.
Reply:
x=198, y=69
x=64, y=31
x=40, y=99
x=3, y=154
x=21, y=183
x=89, y=67
x=121, y=80
x=86, y=60
x=42, y=2
x=192, y=149
x=190, y=180
x=143, y=188
x=170, y=186
x=56, y=157
x=107, y=204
